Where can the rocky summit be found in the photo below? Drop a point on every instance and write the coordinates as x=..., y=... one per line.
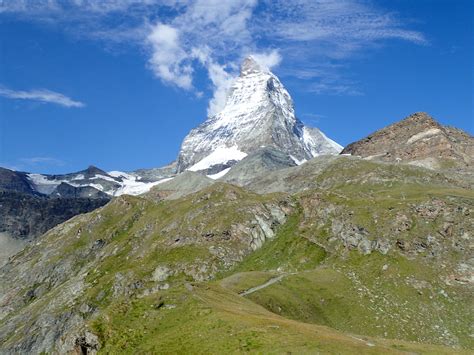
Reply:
x=260, y=238
x=258, y=113
x=418, y=140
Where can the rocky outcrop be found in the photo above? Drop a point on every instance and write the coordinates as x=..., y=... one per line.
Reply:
x=418, y=140
x=64, y=190
x=15, y=181
x=28, y=216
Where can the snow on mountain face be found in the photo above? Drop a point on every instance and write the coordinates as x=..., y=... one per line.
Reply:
x=114, y=183
x=259, y=112
x=220, y=155
x=131, y=184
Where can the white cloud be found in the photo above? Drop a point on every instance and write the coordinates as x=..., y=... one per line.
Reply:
x=213, y=33
x=42, y=95
x=269, y=59
x=32, y=163
x=337, y=28
x=221, y=81
x=169, y=60
x=315, y=38
x=308, y=33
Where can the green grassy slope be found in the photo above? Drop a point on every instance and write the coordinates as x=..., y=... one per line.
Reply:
x=367, y=261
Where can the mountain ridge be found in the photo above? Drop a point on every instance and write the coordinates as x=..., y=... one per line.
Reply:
x=420, y=140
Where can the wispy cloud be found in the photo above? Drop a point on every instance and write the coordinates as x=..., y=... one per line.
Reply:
x=42, y=95
x=313, y=40
x=41, y=161
x=33, y=164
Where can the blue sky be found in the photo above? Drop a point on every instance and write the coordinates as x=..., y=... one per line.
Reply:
x=118, y=84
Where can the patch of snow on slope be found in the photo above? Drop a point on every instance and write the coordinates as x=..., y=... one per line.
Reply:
x=117, y=174
x=219, y=174
x=298, y=162
x=131, y=185
x=220, y=155
x=42, y=184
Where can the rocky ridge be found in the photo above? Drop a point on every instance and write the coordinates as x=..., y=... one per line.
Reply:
x=418, y=140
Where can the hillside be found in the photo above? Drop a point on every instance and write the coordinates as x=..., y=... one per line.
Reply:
x=376, y=265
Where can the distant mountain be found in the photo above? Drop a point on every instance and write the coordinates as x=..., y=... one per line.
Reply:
x=31, y=204
x=258, y=113
x=113, y=183
x=417, y=140
x=26, y=211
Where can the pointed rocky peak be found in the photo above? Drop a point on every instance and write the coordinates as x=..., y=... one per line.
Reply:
x=93, y=170
x=419, y=119
x=250, y=66
x=419, y=140
x=258, y=113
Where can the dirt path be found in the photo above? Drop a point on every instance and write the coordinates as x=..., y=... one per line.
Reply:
x=259, y=287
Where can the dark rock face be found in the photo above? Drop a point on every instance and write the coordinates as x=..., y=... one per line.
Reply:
x=16, y=181
x=28, y=216
x=26, y=213
x=417, y=139
x=68, y=191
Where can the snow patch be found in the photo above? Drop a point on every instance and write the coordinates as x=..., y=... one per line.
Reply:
x=121, y=174
x=220, y=155
x=129, y=183
x=297, y=161
x=130, y=187
x=219, y=174
x=42, y=184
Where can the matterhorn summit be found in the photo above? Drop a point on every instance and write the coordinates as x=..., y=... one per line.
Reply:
x=258, y=114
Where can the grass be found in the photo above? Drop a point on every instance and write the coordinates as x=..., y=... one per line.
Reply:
x=327, y=295
x=211, y=319
x=287, y=251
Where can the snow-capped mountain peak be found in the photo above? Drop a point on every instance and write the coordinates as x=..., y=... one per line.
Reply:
x=250, y=66
x=259, y=112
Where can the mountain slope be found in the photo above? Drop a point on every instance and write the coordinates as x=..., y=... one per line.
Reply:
x=258, y=113
x=384, y=255
x=419, y=140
